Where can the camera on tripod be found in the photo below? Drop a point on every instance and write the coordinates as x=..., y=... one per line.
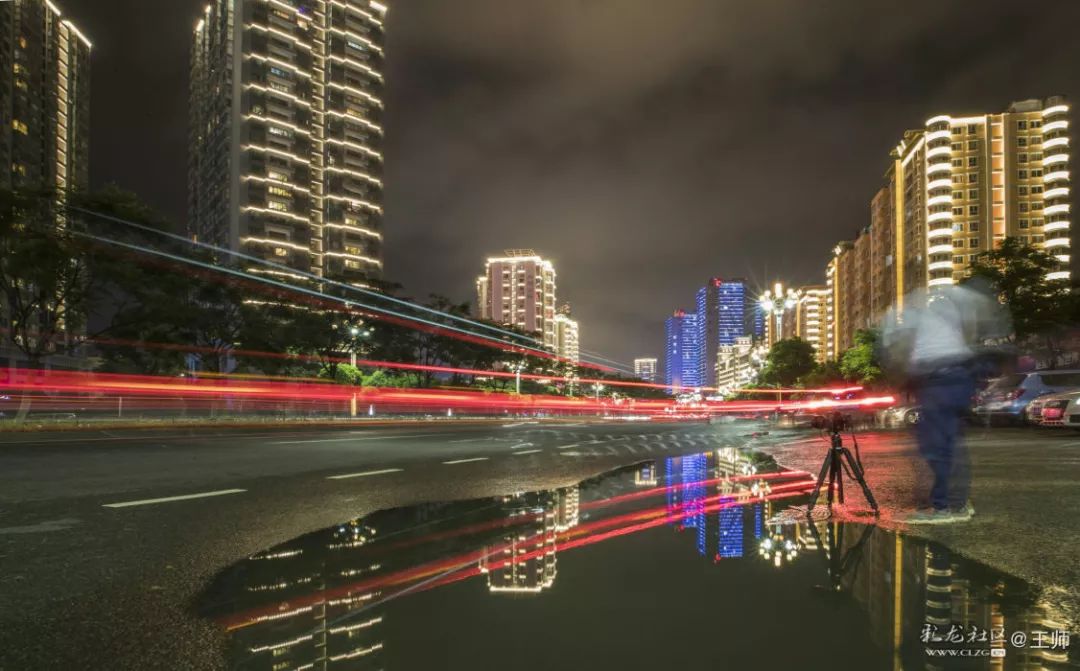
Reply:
x=837, y=422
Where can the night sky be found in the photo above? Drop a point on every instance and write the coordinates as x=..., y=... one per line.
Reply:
x=643, y=146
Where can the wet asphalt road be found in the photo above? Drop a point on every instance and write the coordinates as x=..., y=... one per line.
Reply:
x=106, y=539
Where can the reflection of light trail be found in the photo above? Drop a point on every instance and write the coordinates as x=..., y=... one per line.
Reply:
x=466, y=564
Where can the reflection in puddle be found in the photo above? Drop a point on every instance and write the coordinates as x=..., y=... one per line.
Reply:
x=679, y=561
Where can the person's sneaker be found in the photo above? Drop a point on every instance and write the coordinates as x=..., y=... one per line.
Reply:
x=935, y=516
x=966, y=512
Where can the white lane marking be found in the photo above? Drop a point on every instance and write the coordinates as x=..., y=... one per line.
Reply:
x=520, y=445
x=185, y=497
x=517, y=424
x=612, y=450
x=343, y=440
x=631, y=448
x=567, y=447
x=471, y=440
x=364, y=474
x=464, y=461
x=518, y=454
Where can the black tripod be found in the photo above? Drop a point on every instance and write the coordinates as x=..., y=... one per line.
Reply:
x=838, y=460
x=840, y=562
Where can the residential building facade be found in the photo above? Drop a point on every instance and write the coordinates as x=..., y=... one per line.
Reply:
x=45, y=86
x=810, y=319
x=285, y=136
x=518, y=289
x=955, y=189
x=567, y=345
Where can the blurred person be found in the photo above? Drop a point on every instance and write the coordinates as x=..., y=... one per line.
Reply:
x=939, y=343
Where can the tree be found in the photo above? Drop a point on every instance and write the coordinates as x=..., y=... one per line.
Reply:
x=860, y=363
x=787, y=362
x=1040, y=308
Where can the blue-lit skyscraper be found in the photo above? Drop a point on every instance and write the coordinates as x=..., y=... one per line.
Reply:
x=723, y=311
x=682, y=351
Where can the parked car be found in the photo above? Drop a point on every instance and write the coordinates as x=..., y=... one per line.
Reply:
x=1007, y=397
x=900, y=416
x=1056, y=409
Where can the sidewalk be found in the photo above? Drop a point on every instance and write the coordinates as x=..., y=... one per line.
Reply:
x=1025, y=489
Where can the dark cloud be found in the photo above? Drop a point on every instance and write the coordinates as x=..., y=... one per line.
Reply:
x=643, y=146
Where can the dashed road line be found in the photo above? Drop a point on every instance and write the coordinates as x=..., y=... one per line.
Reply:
x=464, y=461
x=520, y=445
x=518, y=454
x=364, y=474
x=567, y=447
x=167, y=499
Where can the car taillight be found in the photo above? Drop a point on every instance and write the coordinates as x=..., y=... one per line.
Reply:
x=1053, y=413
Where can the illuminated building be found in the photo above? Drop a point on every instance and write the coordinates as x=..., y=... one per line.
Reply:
x=566, y=336
x=721, y=318
x=567, y=507
x=45, y=77
x=285, y=139
x=518, y=289
x=645, y=369
x=681, y=352
x=738, y=364
x=810, y=318
x=524, y=559
x=955, y=189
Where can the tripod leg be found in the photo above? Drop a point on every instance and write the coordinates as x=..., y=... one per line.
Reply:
x=840, y=481
x=860, y=478
x=825, y=466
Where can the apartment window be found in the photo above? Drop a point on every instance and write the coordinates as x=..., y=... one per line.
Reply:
x=1036, y=173
x=957, y=162
x=21, y=84
x=280, y=87
x=352, y=264
x=957, y=130
x=973, y=243
x=1036, y=123
x=18, y=69
x=973, y=161
x=1021, y=142
x=973, y=194
x=22, y=42
x=1023, y=223
x=957, y=146
x=1021, y=125
x=1023, y=158
x=973, y=209
x=1036, y=139
x=957, y=195
x=957, y=243
x=277, y=205
x=958, y=179
x=1037, y=205
x=973, y=177
x=973, y=144
x=958, y=259
x=1023, y=207
x=958, y=211
x=19, y=126
x=280, y=251
x=278, y=175
x=973, y=226
x=19, y=169
x=973, y=258
x=972, y=129
x=278, y=191
x=1021, y=174
x=1036, y=189
x=280, y=132
x=1036, y=222
x=1022, y=190
x=1025, y=239
x=1036, y=238
x=1036, y=157
x=284, y=74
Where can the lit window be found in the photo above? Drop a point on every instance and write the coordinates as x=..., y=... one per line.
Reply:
x=281, y=132
x=280, y=251
x=278, y=191
x=21, y=84
x=276, y=205
x=352, y=264
x=22, y=42
x=279, y=176
x=19, y=126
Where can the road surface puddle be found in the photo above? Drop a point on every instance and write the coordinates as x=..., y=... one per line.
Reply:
x=676, y=563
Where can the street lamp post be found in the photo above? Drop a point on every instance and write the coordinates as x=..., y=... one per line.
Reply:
x=776, y=302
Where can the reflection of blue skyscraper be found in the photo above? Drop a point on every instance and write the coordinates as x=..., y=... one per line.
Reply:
x=759, y=526
x=682, y=351
x=731, y=532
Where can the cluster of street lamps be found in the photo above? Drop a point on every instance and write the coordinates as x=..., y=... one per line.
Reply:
x=776, y=302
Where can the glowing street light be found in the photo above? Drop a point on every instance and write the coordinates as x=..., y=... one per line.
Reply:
x=776, y=302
